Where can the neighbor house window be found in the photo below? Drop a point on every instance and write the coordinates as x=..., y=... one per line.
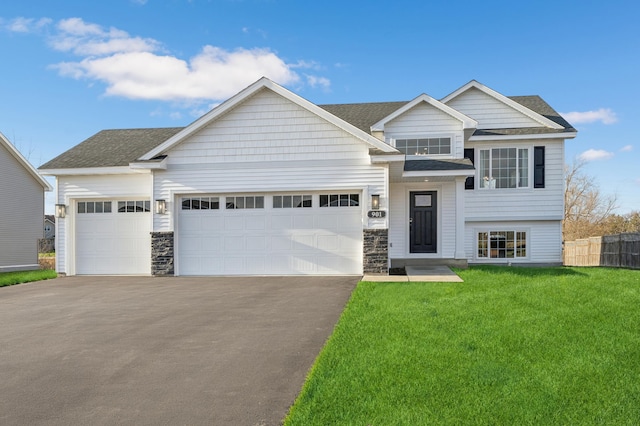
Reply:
x=339, y=200
x=249, y=202
x=140, y=206
x=502, y=244
x=291, y=201
x=424, y=146
x=200, y=203
x=503, y=168
x=94, y=207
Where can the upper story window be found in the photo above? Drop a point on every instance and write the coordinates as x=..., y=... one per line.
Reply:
x=503, y=168
x=424, y=146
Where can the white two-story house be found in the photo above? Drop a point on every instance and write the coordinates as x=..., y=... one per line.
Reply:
x=268, y=183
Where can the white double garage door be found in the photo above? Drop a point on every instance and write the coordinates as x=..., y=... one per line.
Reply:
x=232, y=235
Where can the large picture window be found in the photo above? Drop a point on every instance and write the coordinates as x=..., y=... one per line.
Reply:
x=503, y=168
x=502, y=244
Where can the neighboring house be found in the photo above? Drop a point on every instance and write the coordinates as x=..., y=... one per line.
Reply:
x=22, y=189
x=270, y=183
x=49, y=226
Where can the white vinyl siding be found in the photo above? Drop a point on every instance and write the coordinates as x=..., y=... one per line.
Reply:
x=521, y=203
x=21, y=214
x=544, y=240
x=423, y=121
x=489, y=112
x=72, y=188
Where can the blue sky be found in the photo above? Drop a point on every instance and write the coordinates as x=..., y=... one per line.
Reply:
x=72, y=68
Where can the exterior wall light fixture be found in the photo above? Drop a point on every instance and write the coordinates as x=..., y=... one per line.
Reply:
x=161, y=206
x=61, y=211
x=375, y=202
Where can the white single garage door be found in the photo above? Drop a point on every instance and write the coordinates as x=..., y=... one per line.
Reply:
x=270, y=234
x=113, y=237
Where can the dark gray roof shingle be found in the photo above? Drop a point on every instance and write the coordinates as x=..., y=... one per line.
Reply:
x=363, y=116
x=110, y=148
x=433, y=165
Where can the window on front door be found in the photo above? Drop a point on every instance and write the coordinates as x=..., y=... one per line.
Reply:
x=503, y=168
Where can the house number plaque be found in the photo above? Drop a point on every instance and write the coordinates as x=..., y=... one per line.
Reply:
x=377, y=214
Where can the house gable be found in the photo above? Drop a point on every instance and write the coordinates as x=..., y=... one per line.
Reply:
x=493, y=110
x=426, y=117
x=267, y=127
x=265, y=84
x=11, y=153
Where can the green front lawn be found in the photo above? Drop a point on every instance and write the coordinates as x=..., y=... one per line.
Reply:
x=507, y=346
x=11, y=278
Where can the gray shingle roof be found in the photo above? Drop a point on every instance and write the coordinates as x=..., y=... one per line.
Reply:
x=363, y=116
x=110, y=148
x=431, y=165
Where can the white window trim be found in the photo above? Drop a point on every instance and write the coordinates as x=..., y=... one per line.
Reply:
x=499, y=228
x=478, y=177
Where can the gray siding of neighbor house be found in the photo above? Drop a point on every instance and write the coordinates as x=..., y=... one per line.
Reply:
x=21, y=213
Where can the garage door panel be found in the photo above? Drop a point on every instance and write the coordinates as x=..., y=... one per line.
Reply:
x=270, y=241
x=303, y=222
x=112, y=243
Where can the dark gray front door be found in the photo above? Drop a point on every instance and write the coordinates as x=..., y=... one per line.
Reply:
x=423, y=222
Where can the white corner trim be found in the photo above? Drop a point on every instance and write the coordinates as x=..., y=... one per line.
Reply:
x=467, y=122
x=24, y=162
x=250, y=91
x=502, y=98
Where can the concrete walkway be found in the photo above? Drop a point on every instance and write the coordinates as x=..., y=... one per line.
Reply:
x=419, y=274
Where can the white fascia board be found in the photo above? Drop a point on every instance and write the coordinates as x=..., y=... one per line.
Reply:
x=502, y=98
x=538, y=218
x=24, y=162
x=119, y=170
x=151, y=165
x=568, y=135
x=433, y=173
x=375, y=159
x=251, y=90
x=467, y=122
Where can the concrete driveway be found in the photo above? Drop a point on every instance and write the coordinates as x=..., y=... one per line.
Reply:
x=161, y=351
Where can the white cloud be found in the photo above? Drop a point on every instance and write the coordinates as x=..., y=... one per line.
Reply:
x=315, y=81
x=141, y=68
x=27, y=25
x=595, y=154
x=626, y=148
x=604, y=115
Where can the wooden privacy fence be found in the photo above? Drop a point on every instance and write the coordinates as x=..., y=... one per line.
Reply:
x=617, y=251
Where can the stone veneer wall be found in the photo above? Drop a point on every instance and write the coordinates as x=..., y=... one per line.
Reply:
x=162, y=253
x=376, y=251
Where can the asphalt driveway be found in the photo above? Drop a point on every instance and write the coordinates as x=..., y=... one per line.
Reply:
x=161, y=351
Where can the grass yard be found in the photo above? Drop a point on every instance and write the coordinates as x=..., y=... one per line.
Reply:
x=11, y=278
x=508, y=346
